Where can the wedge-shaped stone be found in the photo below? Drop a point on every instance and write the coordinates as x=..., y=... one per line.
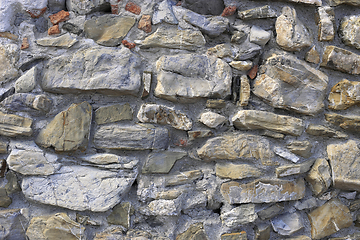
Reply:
x=253, y=119
x=109, y=29
x=319, y=177
x=319, y=130
x=12, y=222
x=238, y=215
x=80, y=188
x=263, y=191
x=69, y=130
x=236, y=171
x=163, y=13
x=345, y=165
x=351, y=123
x=329, y=218
x=237, y=146
x=186, y=77
x=94, y=69
x=301, y=148
x=340, y=59
x=174, y=38
x=344, y=94
x=131, y=137
x=162, y=162
x=211, y=119
x=64, y=41
x=287, y=224
x=287, y=82
x=257, y=13
x=153, y=113
x=294, y=169
x=13, y=125
x=271, y=211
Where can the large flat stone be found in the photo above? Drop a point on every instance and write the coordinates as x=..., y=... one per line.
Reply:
x=287, y=82
x=341, y=59
x=185, y=77
x=131, y=137
x=80, y=188
x=93, y=69
x=13, y=125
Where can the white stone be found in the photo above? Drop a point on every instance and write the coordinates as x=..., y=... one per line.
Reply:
x=63, y=41
x=211, y=119
x=259, y=36
x=27, y=82
x=163, y=13
x=286, y=154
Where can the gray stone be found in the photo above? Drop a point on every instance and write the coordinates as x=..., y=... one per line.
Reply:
x=92, y=69
x=247, y=50
x=215, y=103
x=206, y=7
x=253, y=119
x=325, y=19
x=12, y=185
x=212, y=26
x=286, y=154
x=162, y=162
x=349, y=31
x=263, y=191
x=80, y=188
x=294, y=169
x=183, y=178
x=271, y=211
x=186, y=77
x=27, y=82
x=211, y=119
x=238, y=37
x=69, y=130
x=8, y=71
x=13, y=125
x=262, y=231
x=172, y=37
x=287, y=82
x=110, y=161
x=113, y=113
x=259, y=36
x=5, y=201
x=195, y=232
x=63, y=41
x=292, y=34
x=27, y=102
x=163, y=207
x=340, y=59
x=287, y=224
x=301, y=148
x=12, y=223
x=258, y=13
x=236, y=171
x=239, y=215
x=86, y=7
x=115, y=136
x=348, y=122
x=199, y=134
x=120, y=215
x=306, y=204
x=323, y=131
x=147, y=79
x=237, y=146
x=319, y=177
x=334, y=3
x=163, y=13
x=272, y=134
x=161, y=114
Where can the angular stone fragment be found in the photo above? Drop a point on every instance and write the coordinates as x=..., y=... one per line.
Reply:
x=183, y=178
x=236, y=171
x=120, y=215
x=212, y=26
x=27, y=82
x=306, y=204
x=8, y=71
x=13, y=222
x=287, y=82
x=351, y=123
x=199, y=134
x=319, y=177
x=344, y=94
x=301, y=148
x=300, y=237
x=319, y=130
x=27, y=102
x=258, y=13
x=186, y=77
x=353, y=236
x=273, y=134
x=63, y=41
x=215, y=103
x=163, y=13
x=259, y=35
x=287, y=224
x=262, y=232
x=113, y=113
x=253, y=119
x=93, y=69
x=162, y=162
x=271, y=211
x=80, y=188
x=12, y=185
x=241, y=65
x=349, y=31
x=153, y=113
x=229, y=11
x=312, y=56
x=72, y=28
x=234, y=236
x=212, y=120
x=69, y=130
x=237, y=146
x=85, y=7
x=54, y=30
x=13, y=125
x=263, y=191
x=107, y=160
x=205, y=7
x=294, y=169
x=131, y=137
x=239, y=215
x=147, y=79
x=329, y=218
x=194, y=232
x=5, y=201
x=59, y=17
x=340, y=59
x=174, y=38
x=133, y=8
x=25, y=44
x=145, y=23
x=162, y=207
x=238, y=37
x=325, y=18
x=292, y=34
x=3, y=146
x=108, y=30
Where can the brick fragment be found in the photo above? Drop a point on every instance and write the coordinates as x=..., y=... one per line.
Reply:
x=128, y=44
x=228, y=11
x=145, y=23
x=54, y=30
x=133, y=8
x=59, y=17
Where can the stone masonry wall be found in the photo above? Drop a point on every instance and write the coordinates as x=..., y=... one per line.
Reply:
x=186, y=120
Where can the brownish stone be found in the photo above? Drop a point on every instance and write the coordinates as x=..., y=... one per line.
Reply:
x=128, y=44
x=253, y=72
x=9, y=35
x=344, y=94
x=133, y=8
x=59, y=17
x=25, y=43
x=228, y=11
x=114, y=9
x=145, y=23
x=234, y=236
x=36, y=13
x=54, y=30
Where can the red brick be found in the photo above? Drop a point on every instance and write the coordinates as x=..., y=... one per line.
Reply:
x=145, y=23
x=127, y=44
x=54, y=30
x=228, y=11
x=59, y=17
x=133, y=8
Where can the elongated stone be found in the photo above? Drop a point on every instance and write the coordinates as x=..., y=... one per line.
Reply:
x=286, y=154
x=319, y=130
x=263, y=191
x=239, y=215
x=294, y=169
x=234, y=236
x=13, y=125
x=257, y=13
x=236, y=171
x=340, y=59
x=113, y=113
x=325, y=19
x=244, y=91
x=253, y=119
x=287, y=82
x=63, y=41
x=301, y=148
x=162, y=162
x=347, y=2
x=344, y=94
x=110, y=161
x=319, y=177
x=27, y=102
x=349, y=122
x=183, y=178
x=131, y=137
x=8, y=71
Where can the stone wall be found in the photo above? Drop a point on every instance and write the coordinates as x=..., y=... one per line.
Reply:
x=186, y=120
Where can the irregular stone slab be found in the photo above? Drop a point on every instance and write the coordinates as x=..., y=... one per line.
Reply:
x=329, y=218
x=13, y=125
x=57, y=226
x=310, y=2
x=199, y=134
x=80, y=188
x=241, y=65
x=340, y=59
x=349, y=31
x=287, y=224
x=253, y=119
x=120, y=214
x=238, y=37
x=319, y=130
x=259, y=35
x=92, y=69
x=272, y=134
x=344, y=94
x=239, y=215
x=86, y=7
x=287, y=82
x=27, y=102
x=162, y=207
x=212, y=120
x=162, y=162
x=301, y=148
x=69, y=130
x=12, y=222
x=351, y=123
x=183, y=178
x=27, y=82
x=325, y=19
x=111, y=161
x=294, y=169
x=353, y=236
x=131, y=137
x=174, y=38
x=153, y=113
x=63, y=41
x=236, y=171
x=286, y=154
x=205, y=7
x=319, y=177
x=113, y=113
x=271, y=211
x=12, y=185
x=258, y=13
x=292, y=34
x=108, y=30
x=8, y=71
x=3, y=146
x=306, y=204
x=237, y=146
x=195, y=232
x=186, y=77
x=263, y=191
x=312, y=56
x=215, y=103
x=234, y=236
x=147, y=79
x=5, y=201
x=163, y=13
x=344, y=161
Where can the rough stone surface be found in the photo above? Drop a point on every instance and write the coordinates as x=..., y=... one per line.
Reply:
x=312, y=56
x=12, y=125
x=287, y=224
x=241, y=65
x=236, y=171
x=163, y=13
x=162, y=162
x=212, y=120
x=319, y=177
x=183, y=178
x=27, y=82
x=349, y=122
x=259, y=35
x=194, y=232
x=344, y=94
x=64, y=41
x=271, y=211
x=12, y=222
x=27, y=102
x=206, y=7
x=325, y=19
x=301, y=148
x=113, y=113
x=239, y=215
x=340, y=59
x=8, y=71
x=199, y=134
x=294, y=169
x=349, y=31
x=86, y=7
x=286, y=154
x=234, y=236
x=145, y=23
x=120, y=215
x=258, y=13
x=319, y=130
